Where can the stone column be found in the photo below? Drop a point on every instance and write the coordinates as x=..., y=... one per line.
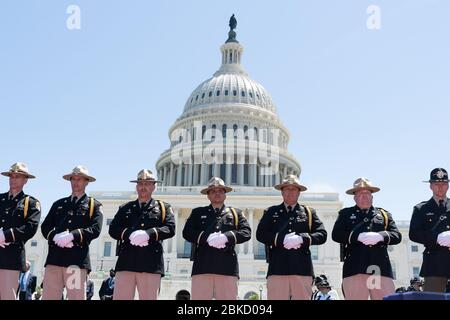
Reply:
x=179, y=174
x=171, y=174
x=164, y=182
x=195, y=182
x=240, y=172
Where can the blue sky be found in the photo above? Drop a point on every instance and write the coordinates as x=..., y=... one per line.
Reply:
x=357, y=102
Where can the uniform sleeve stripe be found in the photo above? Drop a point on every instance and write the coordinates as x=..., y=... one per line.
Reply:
x=121, y=235
x=199, y=236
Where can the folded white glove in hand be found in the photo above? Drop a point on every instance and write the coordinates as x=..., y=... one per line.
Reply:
x=443, y=239
x=219, y=241
x=212, y=236
x=64, y=239
x=292, y=241
x=139, y=238
x=370, y=238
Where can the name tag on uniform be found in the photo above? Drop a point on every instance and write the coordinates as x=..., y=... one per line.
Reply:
x=352, y=216
x=430, y=214
x=203, y=217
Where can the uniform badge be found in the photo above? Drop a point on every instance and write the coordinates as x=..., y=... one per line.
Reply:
x=202, y=217
x=38, y=205
x=440, y=174
x=378, y=219
x=352, y=216
x=430, y=214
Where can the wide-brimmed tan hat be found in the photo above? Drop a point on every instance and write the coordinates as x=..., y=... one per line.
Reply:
x=216, y=182
x=291, y=180
x=79, y=171
x=362, y=184
x=19, y=168
x=145, y=175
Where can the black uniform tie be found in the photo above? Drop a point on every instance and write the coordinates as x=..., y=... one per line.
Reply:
x=74, y=200
x=10, y=197
x=217, y=210
x=289, y=208
x=441, y=205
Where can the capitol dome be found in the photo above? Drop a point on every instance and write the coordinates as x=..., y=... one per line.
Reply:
x=227, y=121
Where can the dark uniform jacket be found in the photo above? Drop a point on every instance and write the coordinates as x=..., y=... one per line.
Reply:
x=75, y=218
x=204, y=221
x=129, y=218
x=17, y=229
x=275, y=224
x=359, y=258
x=106, y=291
x=427, y=222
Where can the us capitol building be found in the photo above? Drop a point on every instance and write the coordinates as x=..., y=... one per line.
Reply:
x=229, y=128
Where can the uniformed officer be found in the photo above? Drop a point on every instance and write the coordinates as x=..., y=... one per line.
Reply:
x=365, y=232
x=416, y=284
x=430, y=225
x=214, y=232
x=288, y=230
x=140, y=226
x=19, y=219
x=70, y=226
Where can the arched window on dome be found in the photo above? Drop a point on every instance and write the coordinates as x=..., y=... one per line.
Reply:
x=250, y=94
x=235, y=93
x=196, y=98
x=213, y=133
x=234, y=170
x=224, y=131
x=243, y=93
x=218, y=93
x=256, y=133
x=210, y=94
x=246, y=170
x=257, y=95
x=226, y=92
x=246, y=132
x=203, y=95
x=203, y=131
x=235, y=127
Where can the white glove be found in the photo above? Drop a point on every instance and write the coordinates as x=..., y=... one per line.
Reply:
x=292, y=241
x=443, y=239
x=139, y=238
x=212, y=236
x=219, y=241
x=5, y=244
x=64, y=239
x=370, y=238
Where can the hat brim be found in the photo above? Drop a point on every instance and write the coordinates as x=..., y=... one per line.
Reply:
x=282, y=185
x=70, y=175
x=27, y=175
x=438, y=180
x=352, y=191
x=151, y=180
x=206, y=190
